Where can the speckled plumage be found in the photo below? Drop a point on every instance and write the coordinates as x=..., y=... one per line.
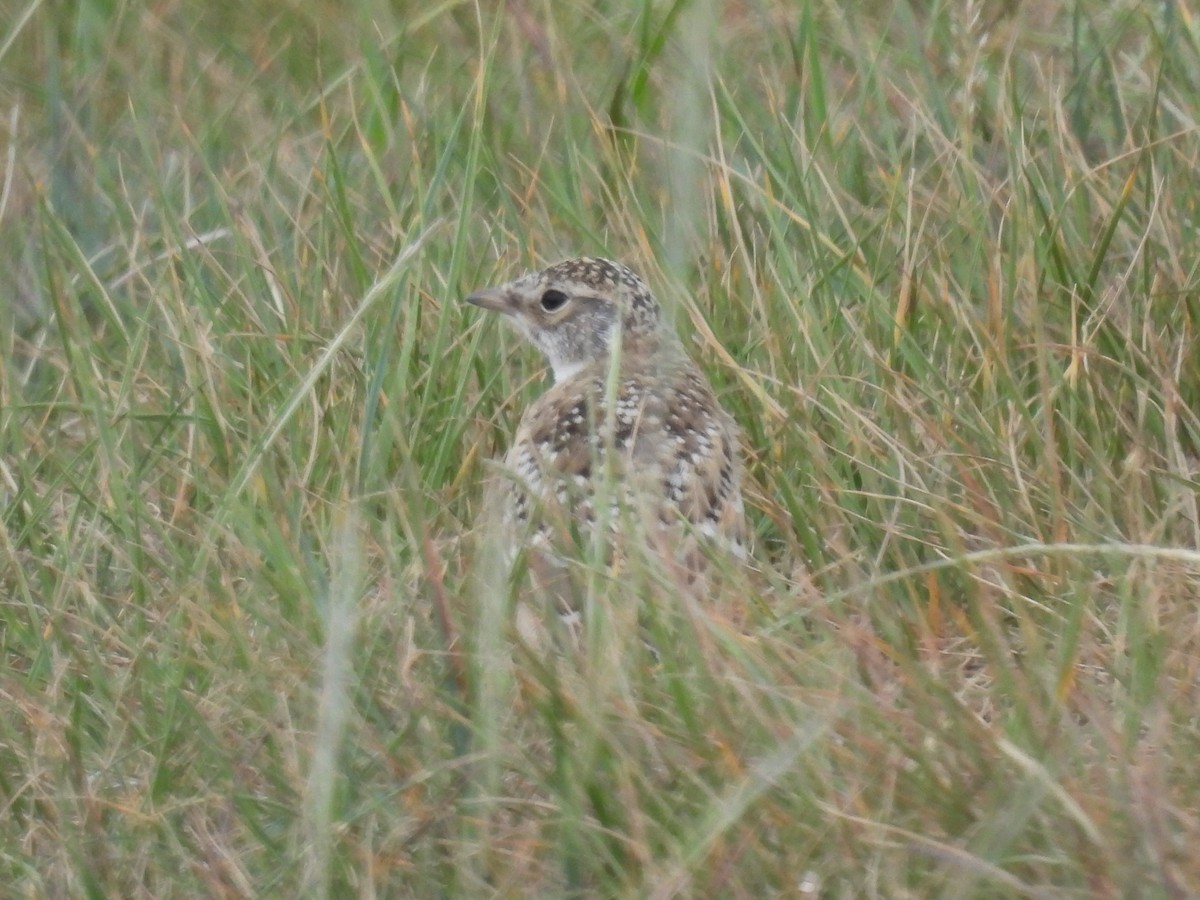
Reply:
x=672, y=450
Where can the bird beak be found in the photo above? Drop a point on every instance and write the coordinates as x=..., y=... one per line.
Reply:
x=495, y=299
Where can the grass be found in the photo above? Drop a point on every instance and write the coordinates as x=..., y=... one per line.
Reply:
x=939, y=260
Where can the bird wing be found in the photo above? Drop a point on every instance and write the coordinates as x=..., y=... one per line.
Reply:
x=676, y=452
x=697, y=457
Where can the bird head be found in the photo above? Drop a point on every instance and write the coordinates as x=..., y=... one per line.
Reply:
x=573, y=311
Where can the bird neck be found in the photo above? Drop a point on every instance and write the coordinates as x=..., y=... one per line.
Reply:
x=637, y=350
x=565, y=370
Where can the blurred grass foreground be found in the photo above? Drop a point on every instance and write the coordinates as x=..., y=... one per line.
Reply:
x=940, y=261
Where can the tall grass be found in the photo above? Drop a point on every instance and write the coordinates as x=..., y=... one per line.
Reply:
x=940, y=261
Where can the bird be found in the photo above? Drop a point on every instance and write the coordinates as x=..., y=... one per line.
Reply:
x=630, y=435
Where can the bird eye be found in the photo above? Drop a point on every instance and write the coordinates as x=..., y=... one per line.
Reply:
x=553, y=299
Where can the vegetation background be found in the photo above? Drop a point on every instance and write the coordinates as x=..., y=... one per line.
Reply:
x=940, y=260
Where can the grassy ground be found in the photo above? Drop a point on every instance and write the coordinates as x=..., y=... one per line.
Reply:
x=940, y=260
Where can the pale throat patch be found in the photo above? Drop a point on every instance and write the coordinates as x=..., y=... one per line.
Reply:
x=564, y=370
